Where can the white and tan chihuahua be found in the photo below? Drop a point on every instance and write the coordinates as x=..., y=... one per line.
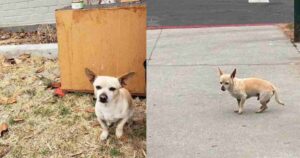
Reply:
x=245, y=88
x=113, y=102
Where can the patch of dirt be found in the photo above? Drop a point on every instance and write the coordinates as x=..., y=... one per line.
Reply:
x=43, y=125
x=288, y=30
x=44, y=34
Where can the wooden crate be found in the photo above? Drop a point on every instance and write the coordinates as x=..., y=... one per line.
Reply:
x=108, y=40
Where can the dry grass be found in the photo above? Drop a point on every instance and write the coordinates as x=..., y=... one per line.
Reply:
x=288, y=30
x=43, y=125
x=44, y=34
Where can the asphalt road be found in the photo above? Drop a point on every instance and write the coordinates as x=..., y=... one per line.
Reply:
x=217, y=12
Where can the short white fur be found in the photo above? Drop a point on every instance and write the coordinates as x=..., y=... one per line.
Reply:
x=118, y=107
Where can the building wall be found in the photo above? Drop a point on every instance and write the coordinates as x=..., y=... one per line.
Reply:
x=29, y=12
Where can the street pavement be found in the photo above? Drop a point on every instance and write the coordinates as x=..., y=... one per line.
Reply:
x=217, y=12
x=189, y=116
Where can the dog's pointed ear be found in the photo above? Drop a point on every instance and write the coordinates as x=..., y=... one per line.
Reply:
x=233, y=73
x=220, y=71
x=124, y=77
x=90, y=74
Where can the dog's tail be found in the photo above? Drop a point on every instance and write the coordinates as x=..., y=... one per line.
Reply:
x=276, y=96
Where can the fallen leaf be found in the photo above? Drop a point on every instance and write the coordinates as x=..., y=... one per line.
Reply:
x=95, y=124
x=3, y=128
x=18, y=120
x=5, y=101
x=22, y=35
x=55, y=84
x=40, y=70
x=90, y=110
x=11, y=100
x=24, y=56
x=124, y=139
x=10, y=61
x=59, y=92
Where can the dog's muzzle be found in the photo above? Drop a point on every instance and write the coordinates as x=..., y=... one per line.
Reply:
x=103, y=98
x=223, y=88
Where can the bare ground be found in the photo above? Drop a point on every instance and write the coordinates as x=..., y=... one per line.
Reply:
x=44, y=125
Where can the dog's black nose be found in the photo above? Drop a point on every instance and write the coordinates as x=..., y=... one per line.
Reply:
x=103, y=98
x=223, y=88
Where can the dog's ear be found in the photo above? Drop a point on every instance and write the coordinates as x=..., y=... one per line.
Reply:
x=124, y=77
x=233, y=73
x=90, y=74
x=220, y=71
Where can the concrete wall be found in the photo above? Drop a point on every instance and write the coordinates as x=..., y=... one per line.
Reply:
x=29, y=12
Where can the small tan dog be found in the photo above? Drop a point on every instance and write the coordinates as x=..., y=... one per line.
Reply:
x=243, y=89
x=113, y=102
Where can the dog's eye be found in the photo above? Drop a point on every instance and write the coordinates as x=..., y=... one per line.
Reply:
x=226, y=83
x=220, y=82
x=98, y=87
x=112, y=88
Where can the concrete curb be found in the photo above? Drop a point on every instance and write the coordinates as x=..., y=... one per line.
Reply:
x=208, y=26
x=45, y=50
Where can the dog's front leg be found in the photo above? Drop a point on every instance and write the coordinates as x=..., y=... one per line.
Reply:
x=241, y=105
x=238, y=101
x=104, y=133
x=119, y=129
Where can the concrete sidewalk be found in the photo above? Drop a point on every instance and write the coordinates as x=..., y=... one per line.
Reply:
x=189, y=116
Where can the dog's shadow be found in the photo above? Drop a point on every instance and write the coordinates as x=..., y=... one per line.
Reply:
x=251, y=110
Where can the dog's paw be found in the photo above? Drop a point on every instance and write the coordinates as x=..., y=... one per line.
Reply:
x=240, y=111
x=258, y=112
x=104, y=135
x=119, y=133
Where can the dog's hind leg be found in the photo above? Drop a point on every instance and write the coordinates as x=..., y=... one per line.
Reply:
x=264, y=100
x=262, y=108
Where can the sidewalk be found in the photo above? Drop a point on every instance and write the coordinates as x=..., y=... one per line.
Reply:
x=189, y=116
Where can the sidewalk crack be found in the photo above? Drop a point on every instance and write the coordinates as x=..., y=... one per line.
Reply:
x=155, y=44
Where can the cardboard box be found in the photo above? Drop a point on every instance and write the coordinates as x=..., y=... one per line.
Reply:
x=108, y=40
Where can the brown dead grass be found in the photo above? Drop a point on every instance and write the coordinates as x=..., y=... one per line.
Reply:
x=43, y=125
x=288, y=30
x=43, y=34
